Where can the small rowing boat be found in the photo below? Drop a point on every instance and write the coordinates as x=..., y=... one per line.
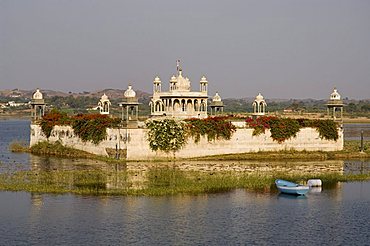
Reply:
x=291, y=188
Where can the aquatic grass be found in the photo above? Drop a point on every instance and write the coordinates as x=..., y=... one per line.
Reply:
x=19, y=146
x=158, y=181
x=59, y=150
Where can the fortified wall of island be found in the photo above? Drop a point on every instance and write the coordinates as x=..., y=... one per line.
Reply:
x=180, y=102
x=132, y=144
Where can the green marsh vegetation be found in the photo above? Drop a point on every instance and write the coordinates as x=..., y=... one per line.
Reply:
x=19, y=146
x=156, y=182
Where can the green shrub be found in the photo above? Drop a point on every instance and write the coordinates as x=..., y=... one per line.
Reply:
x=166, y=135
x=169, y=135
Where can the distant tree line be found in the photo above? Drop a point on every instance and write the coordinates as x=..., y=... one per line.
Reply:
x=80, y=104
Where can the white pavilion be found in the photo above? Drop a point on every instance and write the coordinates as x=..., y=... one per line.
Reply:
x=217, y=106
x=259, y=105
x=38, y=105
x=334, y=105
x=179, y=101
x=104, y=104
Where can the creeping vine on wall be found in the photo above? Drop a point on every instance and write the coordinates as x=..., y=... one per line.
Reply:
x=170, y=135
x=285, y=128
x=212, y=127
x=93, y=127
x=89, y=127
x=52, y=119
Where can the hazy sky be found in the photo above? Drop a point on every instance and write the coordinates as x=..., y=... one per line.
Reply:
x=281, y=48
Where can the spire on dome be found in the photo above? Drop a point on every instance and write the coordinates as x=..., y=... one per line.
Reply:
x=178, y=68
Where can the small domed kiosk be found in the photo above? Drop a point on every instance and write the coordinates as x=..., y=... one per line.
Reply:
x=130, y=108
x=335, y=105
x=259, y=106
x=104, y=104
x=217, y=106
x=38, y=105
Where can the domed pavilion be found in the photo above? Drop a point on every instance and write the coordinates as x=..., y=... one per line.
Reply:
x=335, y=105
x=179, y=101
x=217, y=106
x=104, y=104
x=259, y=106
x=130, y=108
x=38, y=105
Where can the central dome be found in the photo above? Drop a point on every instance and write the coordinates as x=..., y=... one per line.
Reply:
x=183, y=84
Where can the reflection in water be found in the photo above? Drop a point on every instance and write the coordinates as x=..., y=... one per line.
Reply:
x=353, y=131
x=315, y=189
x=96, y=175
x=47, y=163
x=336, y=217
x=356, y=167
x=287, y=196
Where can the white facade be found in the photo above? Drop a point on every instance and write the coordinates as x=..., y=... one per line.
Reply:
x=136, y=144
x=179, y=101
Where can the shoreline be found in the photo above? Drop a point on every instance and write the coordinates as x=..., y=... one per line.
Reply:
x=350, y=152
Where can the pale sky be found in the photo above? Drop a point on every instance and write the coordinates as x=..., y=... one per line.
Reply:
x=281, y=48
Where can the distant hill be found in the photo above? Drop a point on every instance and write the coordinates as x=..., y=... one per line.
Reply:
x=111, y=93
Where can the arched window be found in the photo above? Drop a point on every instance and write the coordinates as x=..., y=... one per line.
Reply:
x=157, y=106
x=196, y=105
x=183, y=105
x=176, y=105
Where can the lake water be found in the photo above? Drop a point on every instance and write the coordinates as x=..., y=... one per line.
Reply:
x=336, y=216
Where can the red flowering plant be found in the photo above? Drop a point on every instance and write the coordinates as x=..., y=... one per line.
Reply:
x=52, y=119
x=213, y=127
x=86, y=126
x=260, y=124
x=281, y=128
x=93, y=126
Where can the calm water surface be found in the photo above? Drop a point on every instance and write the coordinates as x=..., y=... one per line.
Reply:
x=336, y=216
x=353, y=131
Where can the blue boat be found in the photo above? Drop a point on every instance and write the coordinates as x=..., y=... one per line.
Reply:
x=291, y=188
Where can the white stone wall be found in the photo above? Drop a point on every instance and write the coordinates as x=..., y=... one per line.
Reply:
x=242, y=141
x=65, y=135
